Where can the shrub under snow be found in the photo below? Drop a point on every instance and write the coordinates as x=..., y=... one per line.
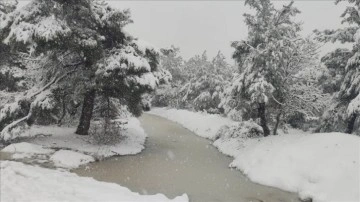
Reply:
x=245, y=129
x=107, y=131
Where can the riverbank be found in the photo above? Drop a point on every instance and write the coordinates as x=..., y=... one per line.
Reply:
x=324, y=167
x=60, y=147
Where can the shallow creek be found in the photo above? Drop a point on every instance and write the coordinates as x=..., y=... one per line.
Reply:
x=176, y=161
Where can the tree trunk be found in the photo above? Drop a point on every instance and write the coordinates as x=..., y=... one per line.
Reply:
x=63, y=111
x=351, y=123
x=86, y=113
x=277, y=123
x=262, y=117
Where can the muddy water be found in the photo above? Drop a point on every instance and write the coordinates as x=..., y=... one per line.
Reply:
x=176, y=161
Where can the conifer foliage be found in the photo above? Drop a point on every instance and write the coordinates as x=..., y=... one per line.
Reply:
x=270, y=61
x=346, y=103
x=77, y=47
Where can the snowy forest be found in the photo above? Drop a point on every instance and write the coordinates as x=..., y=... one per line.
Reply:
x=91, y=112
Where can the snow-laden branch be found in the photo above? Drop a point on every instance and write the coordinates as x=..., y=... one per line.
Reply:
x=6, y=132
x=53, y=81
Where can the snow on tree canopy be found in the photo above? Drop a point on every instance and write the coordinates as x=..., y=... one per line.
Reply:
x=163, y=75
x=6, y=6
x=128, y=67
x=81, y=23
x=23, y=28
x=49, y=28
x=148, y=80
x=8, y=109
x=144, y=46
x=260, y=89
x=45, y=100
x=354, y=106
x=123, y=61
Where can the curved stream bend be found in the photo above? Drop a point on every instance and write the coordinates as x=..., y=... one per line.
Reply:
x=176, y=161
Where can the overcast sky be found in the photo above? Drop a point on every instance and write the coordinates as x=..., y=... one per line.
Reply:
x=195, y=26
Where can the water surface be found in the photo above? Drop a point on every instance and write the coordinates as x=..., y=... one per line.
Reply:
x=176, y=161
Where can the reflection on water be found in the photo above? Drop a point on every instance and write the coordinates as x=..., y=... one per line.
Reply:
x=176, y=161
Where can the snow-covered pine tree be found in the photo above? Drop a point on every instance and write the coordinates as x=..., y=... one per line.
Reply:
x=335, y=63
x=269, y=60
x=172, y=62
x=209, y=86
x=347, y=100
x=334, y=117
x=10, y=74
x=80, y=42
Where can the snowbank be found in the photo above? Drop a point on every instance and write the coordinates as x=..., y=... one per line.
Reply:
x=62, y=137
x=28, y=148
x=82, y=148
x=25, y=150
x=33, y=153
x=203, y=124
x=324, y=167
x=20, y=182
x=70, y=159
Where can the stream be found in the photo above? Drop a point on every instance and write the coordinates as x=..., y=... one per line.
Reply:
x=176, y=161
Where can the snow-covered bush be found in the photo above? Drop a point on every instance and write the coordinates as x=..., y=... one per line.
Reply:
x=235, y=115
x=107, y=131
x=163, y=96
x=244, y=129
x=108, y=121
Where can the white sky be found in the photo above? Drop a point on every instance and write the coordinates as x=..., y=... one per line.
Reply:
x=195, y=26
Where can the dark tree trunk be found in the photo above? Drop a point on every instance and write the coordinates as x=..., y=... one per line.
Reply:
x=262, y=117
x=351, y=123
x=277, y=123
x=63, y=111
x=86, y=113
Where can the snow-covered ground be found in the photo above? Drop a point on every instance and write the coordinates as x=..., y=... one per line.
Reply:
x=322, y=166
x=60, y=146
x=20, y=182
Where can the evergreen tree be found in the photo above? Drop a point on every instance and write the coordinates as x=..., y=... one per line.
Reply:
x=335, y=63
x=80, y=42
x=172, y=62
x=346, y=102
x=269, y=60
x=10, y=73
x=205, y=82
